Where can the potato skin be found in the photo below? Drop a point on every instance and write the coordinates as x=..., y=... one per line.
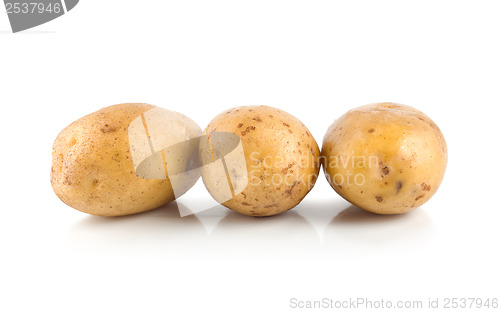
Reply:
x=282, y=158
x=394, y=155
x=92, y=167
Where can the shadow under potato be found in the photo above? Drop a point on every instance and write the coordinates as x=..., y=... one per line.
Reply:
x=356, y=231
x=354, y=214
x=285, y=233
x=348, y=232
x=161, y=229
x=154, y=217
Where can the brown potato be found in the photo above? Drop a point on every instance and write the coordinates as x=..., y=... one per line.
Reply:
x=274, y=161
x=385, y=158
x=102, y=164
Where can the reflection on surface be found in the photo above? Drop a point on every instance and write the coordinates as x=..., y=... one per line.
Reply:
x=284, y=233
x=319, y=213
x=312, y=227
x=149, y=231
x=357, y=231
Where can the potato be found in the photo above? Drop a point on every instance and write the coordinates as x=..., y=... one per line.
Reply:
x=265, y=160
x=385, y=158
x=125, y=159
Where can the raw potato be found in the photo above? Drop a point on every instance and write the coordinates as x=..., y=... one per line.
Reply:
x=280, y=160
x=94, y=171
x=385, y=158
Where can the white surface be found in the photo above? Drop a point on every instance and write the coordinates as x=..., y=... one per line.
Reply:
x=314, y=59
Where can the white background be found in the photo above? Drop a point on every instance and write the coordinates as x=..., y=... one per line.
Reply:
x=313, y=59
